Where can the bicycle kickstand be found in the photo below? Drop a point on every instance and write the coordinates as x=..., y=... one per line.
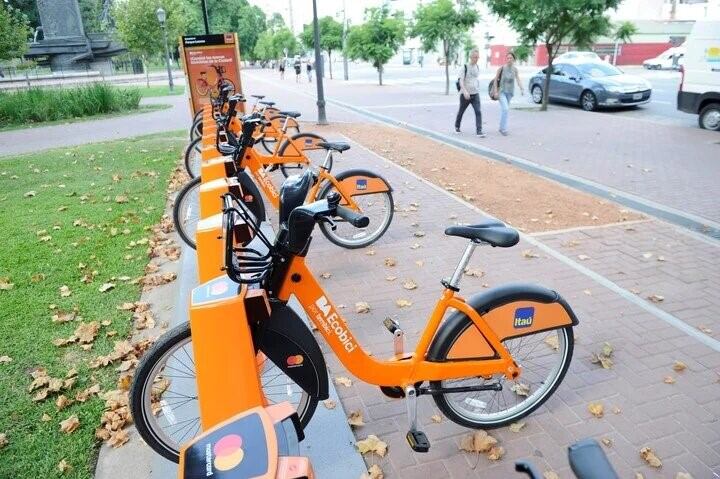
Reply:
x=417, y=439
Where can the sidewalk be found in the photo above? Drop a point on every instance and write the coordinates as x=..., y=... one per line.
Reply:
x=679, y=421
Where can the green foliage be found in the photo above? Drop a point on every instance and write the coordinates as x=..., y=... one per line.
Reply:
x=14, y=32
x=553, y=23
x=139, y=29
x=237, y=16
x=275, y=22
x=522, y=52
x=378, y=39
x=624, y=31
x=441, y=22
x=264, y=49
x=330, y=36
x=284, y=39
x=48, y=104
x=27, y=8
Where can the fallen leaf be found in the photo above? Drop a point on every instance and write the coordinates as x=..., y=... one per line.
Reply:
x=5, y=284
x=329, y=403
x=679, y=366
x=553, y=342
x=583, y=257
x=121, y=199
x=607, y=441
x=415, y=246
x=418, y=234
x=436, y=418
x=118, y=438
x=70, y=424
x=370, y=252
x=474, y=272
x=596, y=409
x=375, y=472
x=29, y=194
x=372, y=444
x=409, y=284
x=529, y=254
x=390, y=278
x=683, y=475
x=355, y=419
x=648, y=455
x=390, y=262
x=669, y=380
x=521, y=389
x=345, y=381
x=5, y=359
x=86, y=332
x=62, y=402
x=496, y=453
x=45, y=417
x=656, y=298
x=3, y=440
x=326, y=275
x=647, y=255
x=65, y=291
x=63, y=466
x=403, y=303
x=106, y=287
x=516, y=426
x=616, y=410
x=549, y=474
x=478, y=441
x=362, y=307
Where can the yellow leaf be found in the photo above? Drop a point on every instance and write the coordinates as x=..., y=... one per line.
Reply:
x=390, y=278
x=436, y=418
x=356, y=419
x=86, y=332
x=478, y=441
x=121, y=199
x=403, y=303
x=118, y=438
x=679, y=366
x=521, y=389
x=372, y=444
x=62, y=402
x=5, y=359
x=362, y=307
x=70, y=424
x=648, y=455
x=529, y=254
x=596, y=409
x=390, y=262
x=683, y=475
x=669, y=380
x=552, y=341
x=63, y=466
x=65, y=291
x=5, y=284
x=516, y=426
x=3, y=440
x=607, y=441
x=549, y=474
x=344, y=381
x=375, y=472
x=329, y=403
x=656, y=298
x=106, y=287
x=496, y=453
x=409, y=284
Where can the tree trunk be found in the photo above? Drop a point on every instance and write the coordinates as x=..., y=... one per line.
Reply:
x=147, y=72
x=380, y=75
x=330, y=64
x=546, y=86
x=447, y=67
x=615, y=52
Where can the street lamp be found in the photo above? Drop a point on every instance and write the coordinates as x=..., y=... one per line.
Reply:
x=322, y=120
x=162, y=16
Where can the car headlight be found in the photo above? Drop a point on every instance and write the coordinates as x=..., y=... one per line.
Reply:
x=613, y=89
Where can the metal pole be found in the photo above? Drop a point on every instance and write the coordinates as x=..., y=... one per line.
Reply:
x=322, y=120
x=167, y=58
x=205, y=17
x=344, y=43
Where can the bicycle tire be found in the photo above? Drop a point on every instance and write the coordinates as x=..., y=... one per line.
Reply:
x=196, y=129
x=178, y=337
x=565, y=340
x=269, y=143
x=286, y=168
x=193, y=157
x=333, y=236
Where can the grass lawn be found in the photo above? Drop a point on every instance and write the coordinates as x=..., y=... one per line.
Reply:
x=43, y=251
x=157, y=90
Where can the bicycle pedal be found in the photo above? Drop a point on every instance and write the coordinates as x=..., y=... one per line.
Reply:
x=418, y=441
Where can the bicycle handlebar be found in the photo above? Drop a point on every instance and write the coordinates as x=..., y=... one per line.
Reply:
x=355, y=219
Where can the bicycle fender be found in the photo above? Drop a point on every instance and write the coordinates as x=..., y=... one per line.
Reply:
x=290, y=345
x=510, y=310
x=356, y=182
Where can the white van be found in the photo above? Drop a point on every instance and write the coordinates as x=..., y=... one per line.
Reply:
x=670, y=59
x=699, y=90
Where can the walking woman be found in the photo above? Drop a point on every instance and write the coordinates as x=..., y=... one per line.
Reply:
x=505, y=78
x=469, y=95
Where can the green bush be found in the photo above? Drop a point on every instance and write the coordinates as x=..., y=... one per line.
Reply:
x=37, y=105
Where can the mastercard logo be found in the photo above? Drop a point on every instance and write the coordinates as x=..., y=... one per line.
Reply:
x=295, y=360
x=228, y=453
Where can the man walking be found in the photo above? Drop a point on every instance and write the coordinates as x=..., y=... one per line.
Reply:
x=469, y=95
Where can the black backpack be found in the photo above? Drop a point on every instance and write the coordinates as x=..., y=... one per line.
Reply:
x=457, y=82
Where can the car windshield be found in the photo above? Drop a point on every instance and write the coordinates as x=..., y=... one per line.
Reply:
x=598, y=70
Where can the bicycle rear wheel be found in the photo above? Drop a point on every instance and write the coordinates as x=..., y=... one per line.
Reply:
x=193, y=157
x=196, y=129
x=163, y=396
x=302, y=146
x=292, y=129
x=543, y=369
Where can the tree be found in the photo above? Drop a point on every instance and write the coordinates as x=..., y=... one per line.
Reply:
x=553, y=23
x=442, y=22
x=14, y=32
x=264, y=49
x=623, y=33
x=330, y=37
x=378, y=39
x=275, y=22
x=28, y=8
x=237, y=16
x=285, y=43
x=140, y=31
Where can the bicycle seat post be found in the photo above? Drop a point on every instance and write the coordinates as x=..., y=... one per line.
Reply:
x=324, y=165
x=460, y=269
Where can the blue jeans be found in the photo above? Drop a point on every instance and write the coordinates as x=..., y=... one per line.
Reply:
x=504, y=109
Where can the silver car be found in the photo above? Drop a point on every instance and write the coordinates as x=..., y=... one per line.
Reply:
x=591, y=84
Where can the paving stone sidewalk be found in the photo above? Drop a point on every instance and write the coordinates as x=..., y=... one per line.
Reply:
x=680, y=421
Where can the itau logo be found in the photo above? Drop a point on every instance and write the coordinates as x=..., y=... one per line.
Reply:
x=228, y=452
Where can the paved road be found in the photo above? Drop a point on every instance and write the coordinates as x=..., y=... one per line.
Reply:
x=662, y=163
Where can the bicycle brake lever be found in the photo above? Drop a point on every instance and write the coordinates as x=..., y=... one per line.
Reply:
x=333, y=225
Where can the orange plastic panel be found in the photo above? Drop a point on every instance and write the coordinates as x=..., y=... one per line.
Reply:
x=362, y=185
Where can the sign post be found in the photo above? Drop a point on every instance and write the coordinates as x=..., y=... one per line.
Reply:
x=210, y=61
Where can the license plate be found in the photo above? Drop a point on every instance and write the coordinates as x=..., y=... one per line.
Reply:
x=637, y=96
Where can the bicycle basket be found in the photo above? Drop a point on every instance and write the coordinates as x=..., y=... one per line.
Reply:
x=243, y=264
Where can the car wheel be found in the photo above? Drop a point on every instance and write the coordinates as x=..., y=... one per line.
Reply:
x=588, y=102
x=537, y=94
x=709, y=118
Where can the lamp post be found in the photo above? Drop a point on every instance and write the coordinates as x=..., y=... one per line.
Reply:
x=322, y=120
x=205, y=17
x=161, y=16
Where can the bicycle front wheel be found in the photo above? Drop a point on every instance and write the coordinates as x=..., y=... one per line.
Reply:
x=193, y=157
x=378, y=207
x=164, y=400
x=186, y=211
x=277, y=120
x=304, y=150
x=543, y=369
x=196, y=129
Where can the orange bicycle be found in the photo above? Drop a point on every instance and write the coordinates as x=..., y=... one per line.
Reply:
x=360, y=189
x=487, y=361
